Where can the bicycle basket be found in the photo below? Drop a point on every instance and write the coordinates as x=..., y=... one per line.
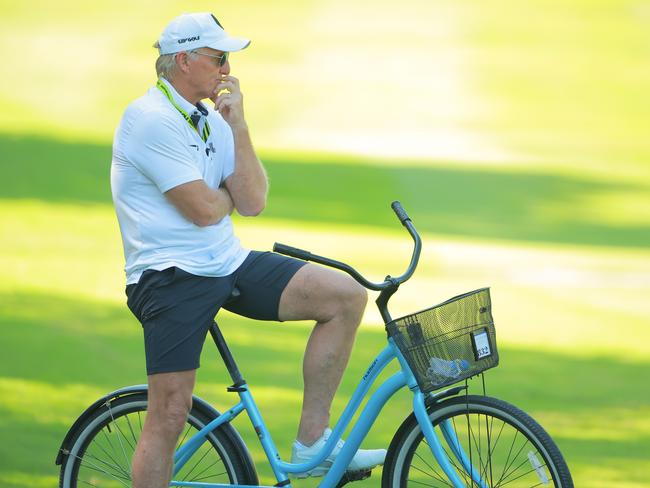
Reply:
x=448, y=342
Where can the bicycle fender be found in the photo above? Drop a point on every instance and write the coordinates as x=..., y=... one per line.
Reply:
x=67, y=440
x=197, y=402
x=432, y=399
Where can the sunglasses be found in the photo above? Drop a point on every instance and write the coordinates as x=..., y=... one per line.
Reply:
x=223, y=58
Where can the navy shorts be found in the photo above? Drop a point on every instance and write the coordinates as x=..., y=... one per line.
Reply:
x=176, y=308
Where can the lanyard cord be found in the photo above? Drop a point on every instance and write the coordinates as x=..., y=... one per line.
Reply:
x=206, y=128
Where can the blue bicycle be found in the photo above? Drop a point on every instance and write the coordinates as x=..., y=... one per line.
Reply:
x=451, y=438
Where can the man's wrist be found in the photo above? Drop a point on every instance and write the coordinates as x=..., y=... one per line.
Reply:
x=240, y=130
x=231, y=202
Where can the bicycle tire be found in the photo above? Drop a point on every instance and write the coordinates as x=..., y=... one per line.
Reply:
x=503, y=442
x=100, y=454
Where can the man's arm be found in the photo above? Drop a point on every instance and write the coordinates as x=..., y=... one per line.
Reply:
x=200, y=203
x=247, y=185
x=159, y=150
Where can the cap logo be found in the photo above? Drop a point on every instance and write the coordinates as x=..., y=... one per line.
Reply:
x=189, y=39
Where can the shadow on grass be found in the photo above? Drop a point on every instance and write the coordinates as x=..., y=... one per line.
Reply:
x=351, y=190
x=66, y=352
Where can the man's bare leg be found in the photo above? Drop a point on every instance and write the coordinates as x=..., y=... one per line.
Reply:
x=170, y=400
x=337, y=303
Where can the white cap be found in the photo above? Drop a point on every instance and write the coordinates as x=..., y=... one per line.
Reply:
x=191, y=31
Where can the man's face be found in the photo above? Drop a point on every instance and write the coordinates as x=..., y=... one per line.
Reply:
x=207, y=71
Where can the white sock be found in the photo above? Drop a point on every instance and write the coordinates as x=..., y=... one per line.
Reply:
x=299, y=445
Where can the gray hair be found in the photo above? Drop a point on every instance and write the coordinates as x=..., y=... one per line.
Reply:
x=166, y=63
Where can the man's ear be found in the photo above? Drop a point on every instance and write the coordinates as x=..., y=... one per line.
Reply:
x=182, y=61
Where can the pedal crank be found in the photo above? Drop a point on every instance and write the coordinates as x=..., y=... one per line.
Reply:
x=351, y=476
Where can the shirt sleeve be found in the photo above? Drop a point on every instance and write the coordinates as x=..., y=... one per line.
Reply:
x=162, y=152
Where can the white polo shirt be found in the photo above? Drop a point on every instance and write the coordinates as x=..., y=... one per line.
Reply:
x=154, y=150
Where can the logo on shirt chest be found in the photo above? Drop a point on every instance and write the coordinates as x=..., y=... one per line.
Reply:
x=208, y=149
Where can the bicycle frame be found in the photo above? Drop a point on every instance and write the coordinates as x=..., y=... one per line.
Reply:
x=87, y=451
x=282, y=469
x=384, y=392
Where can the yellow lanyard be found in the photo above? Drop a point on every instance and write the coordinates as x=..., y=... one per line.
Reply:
x=206, y=128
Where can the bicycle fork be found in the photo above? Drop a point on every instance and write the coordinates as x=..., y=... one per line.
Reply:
x=437, y=449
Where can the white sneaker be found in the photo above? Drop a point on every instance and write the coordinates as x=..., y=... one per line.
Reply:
x=364, y=459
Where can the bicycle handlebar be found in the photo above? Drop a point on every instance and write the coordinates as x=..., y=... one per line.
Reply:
x=400, y=212
x=389, y=281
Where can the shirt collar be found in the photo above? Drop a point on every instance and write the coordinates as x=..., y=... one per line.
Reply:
x=182, y=102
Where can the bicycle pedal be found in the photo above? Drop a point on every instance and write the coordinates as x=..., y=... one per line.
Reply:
x=350, y=476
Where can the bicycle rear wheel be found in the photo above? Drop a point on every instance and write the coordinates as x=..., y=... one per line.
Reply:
x=100, y=455
x=503, y=444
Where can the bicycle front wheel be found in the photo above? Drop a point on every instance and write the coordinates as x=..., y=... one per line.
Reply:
x=504, y=445
x=100, y=455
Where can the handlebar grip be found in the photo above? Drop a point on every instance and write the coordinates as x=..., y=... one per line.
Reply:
x=294, y=252
x=400, y=212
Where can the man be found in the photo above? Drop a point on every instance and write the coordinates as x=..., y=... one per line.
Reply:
x=179, y=170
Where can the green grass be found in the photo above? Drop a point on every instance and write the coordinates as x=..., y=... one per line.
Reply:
x=540, y=207
x=515, y=134
x=534, y=84
x=571, y=320
x=87, y=348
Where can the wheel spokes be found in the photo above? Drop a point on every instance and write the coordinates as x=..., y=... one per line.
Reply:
x=107, y=459
x=497, y=452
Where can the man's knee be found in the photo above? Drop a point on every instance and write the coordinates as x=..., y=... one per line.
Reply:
x=351, y=299
x=321, y=294
x=170, y=400
x=170, y=413
x=357, y=296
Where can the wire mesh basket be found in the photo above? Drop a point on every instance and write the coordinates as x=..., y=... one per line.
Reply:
x=448, y=342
